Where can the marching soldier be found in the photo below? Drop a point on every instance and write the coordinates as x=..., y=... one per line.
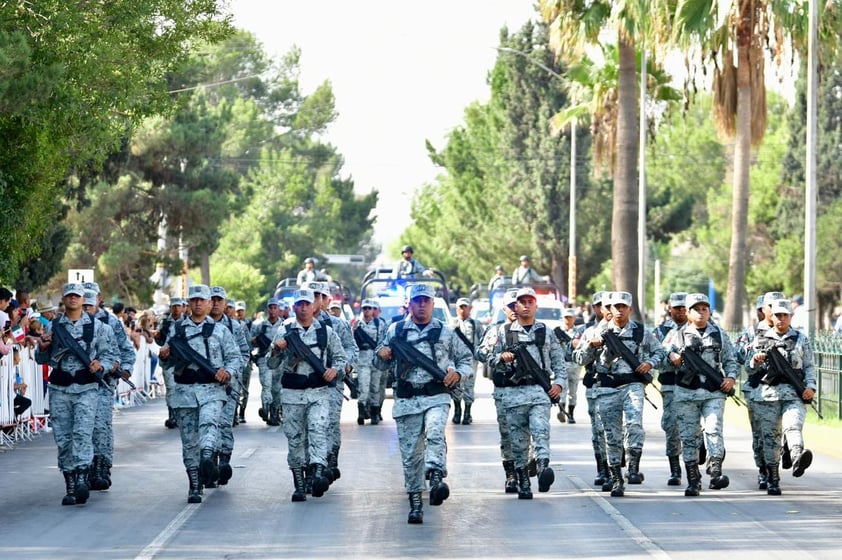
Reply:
x=225, y=446
x=700, y=391
x=368, y=332
x=262, y=335
x=204, y=356
x=527, y=403
x=80, y=351
x=103, y=436
x=582, y=356
x=246, y=322
x=470, y=331
x=430, y=362
x=779, y=399
x=177, y=306
x=311, y=355
x=621, y=390
x=570, y=340
x=666, y=378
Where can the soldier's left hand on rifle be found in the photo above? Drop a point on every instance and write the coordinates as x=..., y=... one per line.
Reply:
x=555, y=391
x=507, y=357
x=385, y=353
x=280, y=345
x=727, y=385
x=222, y=376
x=452, y=378
x=330, y=374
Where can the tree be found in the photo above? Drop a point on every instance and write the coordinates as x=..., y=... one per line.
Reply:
x=73, y=78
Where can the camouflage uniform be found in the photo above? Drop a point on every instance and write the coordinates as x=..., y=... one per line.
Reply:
x=421, y=418
x=197, y=400
x=229, y=410
x=270, y=378
x=526, y=404
x=472, y=331
x=74, y=395
x=778, y=408
x=698, y=407
x=483, y=353
x=741, y=346
x=368, y=376
x=103, y=436
x=620, y=391
x=666, y=379
x=306, y=395
x=589, y=380
x=572, y=369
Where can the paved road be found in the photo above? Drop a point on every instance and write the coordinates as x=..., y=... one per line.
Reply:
x=145, y=514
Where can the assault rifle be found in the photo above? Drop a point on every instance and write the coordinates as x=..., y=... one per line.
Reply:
x=619, y=350
x=301, y=351
x=780, y=366
x=697, y=365
x=408, y=354
x=185, y=355
x=527, y=367
x=562, y=336
x=71, y=345
x=262, y=342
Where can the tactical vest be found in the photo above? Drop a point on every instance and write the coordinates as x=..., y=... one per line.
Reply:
x=430, y=336
x=611, y=380
x=500, y=377
x=716, y=336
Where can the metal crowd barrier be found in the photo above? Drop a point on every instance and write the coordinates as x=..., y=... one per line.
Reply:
x=36, y=419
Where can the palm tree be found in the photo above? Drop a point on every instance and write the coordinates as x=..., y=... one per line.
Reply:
x=742, y=30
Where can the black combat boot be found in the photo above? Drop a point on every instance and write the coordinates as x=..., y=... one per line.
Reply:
x=208, y=470
x=694, y=479
x=225, y=470
x=718, y=480
x=774, y=475
x=439, y=490
x=194, y=494
x=570, y=418
x=375, y=415
x=524, y=487
x=300, y=493
x=263, y=412
x=171, y=422
x=333, y=464
x=801, y=459
x=786, y=456
x=511, y=477
x=532, y=467
x=634, y=475
x=274, y=416
x=243, y=411
x=82, y=491
x=618, y=490
x=546, y=476
x=562, y=414
x=703, y=452
x=69, y=489
x=762, y=478
x=320, y=481
x=457, y=411
x=97, y=482
x=675, y=471
x=467, y=419
x=601, y=470
x=416, y=513
x=361, y=412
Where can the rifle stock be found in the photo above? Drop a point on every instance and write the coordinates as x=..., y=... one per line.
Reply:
x=696, y=364
x=782, y=367
x=528, y=367
x=620, y=350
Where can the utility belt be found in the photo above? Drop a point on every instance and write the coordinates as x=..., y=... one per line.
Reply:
x=363, y=347
x=666, y=378
x=192, y=376
x=612, y=381
x=64, y=378
x=291, y=380
x=501, y=380
x=406, y=390
x=589, y=379
x=778, y=379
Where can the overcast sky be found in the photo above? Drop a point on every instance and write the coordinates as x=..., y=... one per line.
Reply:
x=402, y=72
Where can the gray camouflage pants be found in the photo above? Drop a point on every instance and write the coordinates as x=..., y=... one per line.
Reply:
x=529, y=423
x=199, y=428
x=669, y=423
x=306, y=427
x=573, y=376
x=72, y=418
x=270, y=384
x=423, y=445
x=226, y=421
x=756, y=435
x=597, y=429
x=697, y=416
x=103, y=436
x=621, y=412
x=369, y=382
x=334, y=427
x=776, y=418
x=503, y=425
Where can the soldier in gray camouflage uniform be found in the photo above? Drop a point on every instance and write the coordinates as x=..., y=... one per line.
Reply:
x=368, y=376
x=307, y=393
x=621, y=390
x=422, y=402
x=778, y=408
x=225, y=446
x=527, y=404
x=177, y=306
x=262, y=335
x=698, y=400
x=583, y=357
x=470, y=331
x=570, y=365
x=666, y=378
x=103, y=437
x=199, y=394
x=245, y=322
x=74, y=387
x=342, y=328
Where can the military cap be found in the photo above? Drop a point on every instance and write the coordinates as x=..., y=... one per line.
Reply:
x=769, y=297
x=419, y=290
x=617, y=298
x=598, y=297
x=568, y=312
x=309, y=260
x=696, y=299
x=334, y=305
x=678, y=299
x=198, y=291
x=462, y=301
x=218, y=291
x=303, y=295
x=759, y=304
x=782, y=306
x=90, y=298
x=177, y=301
x=93, y=286
x=273, y=301
x=73, y=288
x=525, y=292
x=240, y=306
